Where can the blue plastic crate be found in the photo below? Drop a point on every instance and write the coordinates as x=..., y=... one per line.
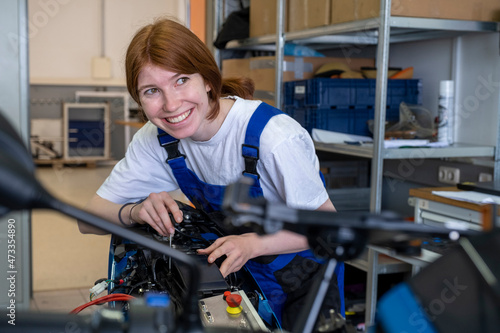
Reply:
x=344, y=119
x=333, y=119
x=339, y=119
x=319, y=92
x=326, y=92
x=301, y=115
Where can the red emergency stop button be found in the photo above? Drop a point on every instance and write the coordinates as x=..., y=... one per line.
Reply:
x=233, y=301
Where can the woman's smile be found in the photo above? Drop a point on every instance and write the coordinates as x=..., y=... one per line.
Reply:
x=178, y=119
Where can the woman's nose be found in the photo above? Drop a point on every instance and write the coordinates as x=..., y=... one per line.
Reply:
x=171, y=102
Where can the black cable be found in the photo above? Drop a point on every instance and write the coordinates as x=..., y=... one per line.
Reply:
x=137, y=285
x=100, y=280
x=192, y=236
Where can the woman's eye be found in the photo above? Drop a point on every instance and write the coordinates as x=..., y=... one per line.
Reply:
x=150, y=91
x=182, y=80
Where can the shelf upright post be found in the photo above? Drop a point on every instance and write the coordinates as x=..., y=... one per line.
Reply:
x=380, y=106
x=378, y=150
x=496, y=165
x=496, y=162
x=280, y=53
x=216, y=24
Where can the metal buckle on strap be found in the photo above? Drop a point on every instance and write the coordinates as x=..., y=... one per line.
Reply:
x=171, y=147
x=250, y=161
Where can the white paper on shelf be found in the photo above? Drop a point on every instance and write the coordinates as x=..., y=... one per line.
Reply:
x=325, y=136
x=398, y=143
x=438, y=144
x=469, y=196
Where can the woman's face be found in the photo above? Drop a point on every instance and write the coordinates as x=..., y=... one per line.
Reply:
x=177, y=103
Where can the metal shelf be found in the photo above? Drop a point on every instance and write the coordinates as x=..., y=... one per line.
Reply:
x=381, y=32
x=365, y=32
x=386, y=264
x=366, y=150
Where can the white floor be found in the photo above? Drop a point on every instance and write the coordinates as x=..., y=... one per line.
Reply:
x=66, y=263
x=62, y=301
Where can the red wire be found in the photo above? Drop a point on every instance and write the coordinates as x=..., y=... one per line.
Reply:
x=102, y=300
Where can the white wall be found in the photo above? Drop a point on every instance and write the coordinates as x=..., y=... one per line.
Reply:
x=474, y=62
x=478, y=93
x=64, y=35
x=432, y=62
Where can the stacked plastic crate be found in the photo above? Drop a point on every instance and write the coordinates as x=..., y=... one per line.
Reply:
x=345, y=105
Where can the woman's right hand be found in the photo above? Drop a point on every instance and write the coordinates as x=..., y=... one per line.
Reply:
x=155, y=212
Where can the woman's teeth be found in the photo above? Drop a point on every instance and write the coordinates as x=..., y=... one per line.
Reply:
x=180, y=118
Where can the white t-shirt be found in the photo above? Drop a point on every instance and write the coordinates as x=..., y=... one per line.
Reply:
x=288, y=165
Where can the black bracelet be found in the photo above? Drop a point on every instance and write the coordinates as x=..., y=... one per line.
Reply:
x=120, y=213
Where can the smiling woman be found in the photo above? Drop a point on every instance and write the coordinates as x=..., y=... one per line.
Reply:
x=210, y=132
x=177, y=103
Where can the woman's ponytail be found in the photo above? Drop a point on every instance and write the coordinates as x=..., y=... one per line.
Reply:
x=238, y=86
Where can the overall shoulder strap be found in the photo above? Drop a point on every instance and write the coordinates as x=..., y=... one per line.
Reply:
x=170, y=144
x=250, y=148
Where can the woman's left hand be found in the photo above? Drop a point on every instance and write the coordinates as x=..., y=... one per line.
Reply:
x=238, y=250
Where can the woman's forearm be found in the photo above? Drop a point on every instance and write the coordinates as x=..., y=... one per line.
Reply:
x=286, y=241
x=280, y=243
x=104, y=209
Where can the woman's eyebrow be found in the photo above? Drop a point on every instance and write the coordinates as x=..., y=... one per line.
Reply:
x=172, y=78
x=145, y=86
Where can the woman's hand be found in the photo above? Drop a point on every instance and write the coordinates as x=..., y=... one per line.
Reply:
x=238, y=250
x=155, y=212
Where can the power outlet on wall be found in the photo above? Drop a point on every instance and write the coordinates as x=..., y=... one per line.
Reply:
x=449, y=175
x=485, y=177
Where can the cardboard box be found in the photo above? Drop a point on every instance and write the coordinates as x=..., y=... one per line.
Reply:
x=236, y=67
x=476, y=10
x=306, y=14
x=263, y=18
x=299, y=15
x=262, y=70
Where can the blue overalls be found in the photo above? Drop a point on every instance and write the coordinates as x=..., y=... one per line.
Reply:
x=209, y=197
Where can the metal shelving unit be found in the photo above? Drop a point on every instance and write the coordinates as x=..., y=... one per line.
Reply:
x=365, y=32
x=381, y=31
